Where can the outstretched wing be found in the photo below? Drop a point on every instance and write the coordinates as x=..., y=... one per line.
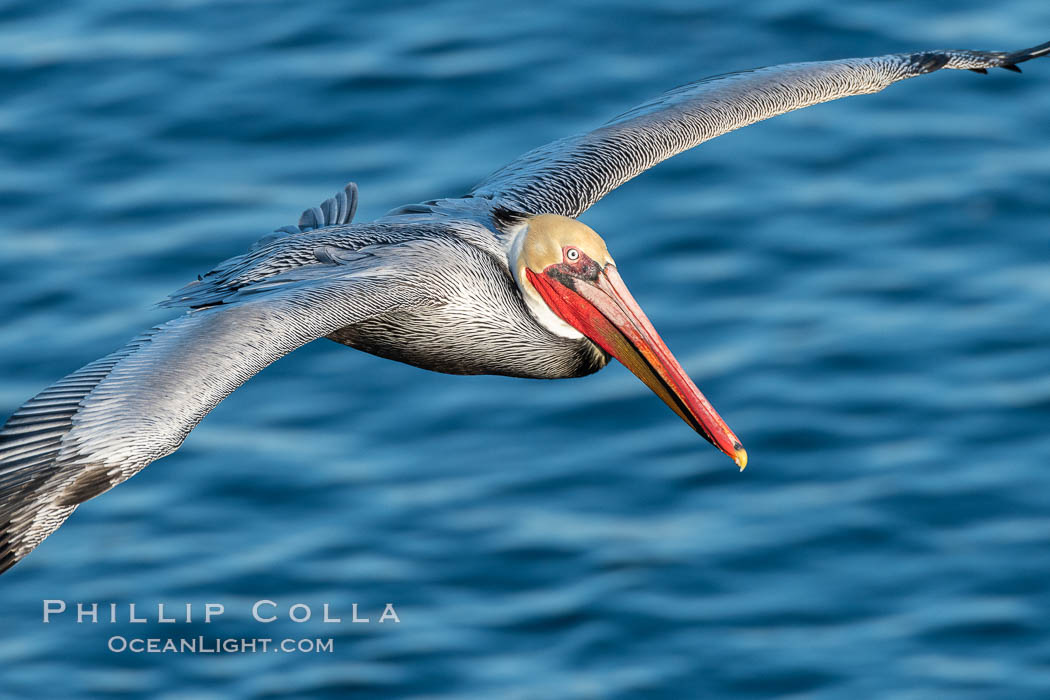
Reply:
x=105, y=422
x=569, y=175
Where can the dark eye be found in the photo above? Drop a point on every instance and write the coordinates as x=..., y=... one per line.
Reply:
x=572, y=255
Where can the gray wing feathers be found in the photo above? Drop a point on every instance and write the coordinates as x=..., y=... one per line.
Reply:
x=334, y=211
x=569, y=175
x=105, y=422
x=30, y=443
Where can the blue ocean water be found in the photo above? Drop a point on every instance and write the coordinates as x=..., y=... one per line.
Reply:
x=861, y=289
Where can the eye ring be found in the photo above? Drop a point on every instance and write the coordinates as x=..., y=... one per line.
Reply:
x=572, y=255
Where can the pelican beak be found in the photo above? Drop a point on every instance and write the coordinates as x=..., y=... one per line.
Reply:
x=603, y=310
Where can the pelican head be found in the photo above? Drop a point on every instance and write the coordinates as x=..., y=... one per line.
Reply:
x=571, y=285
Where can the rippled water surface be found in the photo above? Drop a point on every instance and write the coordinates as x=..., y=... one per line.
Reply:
x=861, y=288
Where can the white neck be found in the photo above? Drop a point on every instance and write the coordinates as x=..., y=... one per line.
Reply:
x=539, y=309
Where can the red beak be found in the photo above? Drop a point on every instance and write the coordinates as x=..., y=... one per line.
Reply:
x=604, y=311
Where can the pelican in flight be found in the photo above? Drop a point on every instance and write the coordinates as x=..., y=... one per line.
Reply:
x=502, y=280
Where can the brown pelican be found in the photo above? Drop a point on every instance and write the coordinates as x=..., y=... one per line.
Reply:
x=502, y=280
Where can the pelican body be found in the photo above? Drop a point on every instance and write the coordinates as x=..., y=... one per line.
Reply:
x=503, y=280
x=431, y=337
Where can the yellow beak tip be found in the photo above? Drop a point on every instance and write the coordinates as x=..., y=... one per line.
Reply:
x=740, y=457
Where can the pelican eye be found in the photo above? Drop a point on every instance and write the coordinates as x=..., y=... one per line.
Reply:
x=572, y=255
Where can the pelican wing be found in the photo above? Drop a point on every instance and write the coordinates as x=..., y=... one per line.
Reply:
x=102, y=424
x=569, y=175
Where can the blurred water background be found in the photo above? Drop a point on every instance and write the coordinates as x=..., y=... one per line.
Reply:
x=861, y=288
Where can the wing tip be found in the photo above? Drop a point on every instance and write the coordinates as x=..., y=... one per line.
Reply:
x=1011, y=60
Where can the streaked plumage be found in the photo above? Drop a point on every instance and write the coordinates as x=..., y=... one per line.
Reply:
x=468, y=285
